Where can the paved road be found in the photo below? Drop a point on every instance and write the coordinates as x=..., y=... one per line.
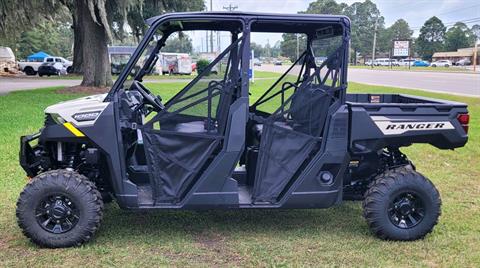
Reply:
x=445, y=82
x=8, y=84
x=453, y=83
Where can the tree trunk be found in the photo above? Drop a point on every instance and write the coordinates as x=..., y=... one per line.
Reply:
x=77, y=42
x=355, y=56
x=96, y=65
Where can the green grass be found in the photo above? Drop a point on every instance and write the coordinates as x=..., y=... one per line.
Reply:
x=258, y=74
x=414, y=68
x=332, y=237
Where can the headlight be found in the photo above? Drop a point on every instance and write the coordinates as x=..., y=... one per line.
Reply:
x=53, y=119
x=87, y=116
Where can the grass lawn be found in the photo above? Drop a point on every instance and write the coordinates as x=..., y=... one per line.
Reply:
x=258, y=74
x=414, y=68
x=337, y=236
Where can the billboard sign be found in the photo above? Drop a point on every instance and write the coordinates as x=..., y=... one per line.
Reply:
x=401, y=48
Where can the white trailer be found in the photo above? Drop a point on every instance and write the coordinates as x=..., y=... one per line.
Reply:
x=176, y=63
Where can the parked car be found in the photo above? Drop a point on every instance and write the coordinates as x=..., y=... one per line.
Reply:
x=277, y=62
x=382, y=62
x=394, y=62
x=386, y=62
x=406, y=62
x=257, y=62
x=31, y=67
x=369, y=63
x=320, y=60
x=463, y=62
x=421, y=63
x=441, y=63
x=51, y=68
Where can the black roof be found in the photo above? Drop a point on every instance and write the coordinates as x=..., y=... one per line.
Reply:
x=257, y=15
x=266, y=22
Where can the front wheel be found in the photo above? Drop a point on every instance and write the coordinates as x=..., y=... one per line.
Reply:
x=59, y=208
x=401, y=205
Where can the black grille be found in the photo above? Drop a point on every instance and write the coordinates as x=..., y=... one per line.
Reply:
x=49, y=120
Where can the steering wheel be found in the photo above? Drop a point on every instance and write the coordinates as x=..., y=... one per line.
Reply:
x=153, y=100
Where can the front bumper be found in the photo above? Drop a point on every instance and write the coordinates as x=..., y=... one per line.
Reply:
x=31, y=159
x=36, y=150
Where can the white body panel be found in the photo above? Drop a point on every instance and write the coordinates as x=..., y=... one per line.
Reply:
x=67, y=109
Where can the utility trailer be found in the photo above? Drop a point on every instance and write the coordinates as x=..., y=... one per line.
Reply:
x=304, y=143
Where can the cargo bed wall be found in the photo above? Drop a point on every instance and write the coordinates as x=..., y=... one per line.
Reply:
x=381, y=120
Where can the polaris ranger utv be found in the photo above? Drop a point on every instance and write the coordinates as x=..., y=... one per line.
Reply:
x=305, y=143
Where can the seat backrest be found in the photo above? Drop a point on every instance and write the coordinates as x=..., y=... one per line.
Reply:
x=309, y=108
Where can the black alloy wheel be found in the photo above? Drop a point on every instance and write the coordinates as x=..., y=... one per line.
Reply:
x=406, y=210
x=57, y=213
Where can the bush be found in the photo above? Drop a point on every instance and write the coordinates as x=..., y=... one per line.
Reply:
x=202, y=65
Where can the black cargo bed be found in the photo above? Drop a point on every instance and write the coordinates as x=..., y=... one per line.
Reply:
x=367, y=98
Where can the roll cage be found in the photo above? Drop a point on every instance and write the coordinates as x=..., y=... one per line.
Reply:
x=191, y=152
x=215, y=21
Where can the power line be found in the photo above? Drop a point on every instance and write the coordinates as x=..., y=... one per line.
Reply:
x=455, y=10
x=451, y=23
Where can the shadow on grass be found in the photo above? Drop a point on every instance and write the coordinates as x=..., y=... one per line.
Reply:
x=124, y=226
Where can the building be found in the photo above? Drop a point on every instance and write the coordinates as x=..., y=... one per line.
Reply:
x=455, y=56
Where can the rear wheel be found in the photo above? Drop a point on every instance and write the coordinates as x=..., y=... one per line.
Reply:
x=59, y=208
x=29, y=70
x=401, y=204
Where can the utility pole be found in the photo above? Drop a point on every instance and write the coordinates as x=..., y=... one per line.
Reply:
x=230, y=7
x=206, y=41
x=211, y=32
x=268, y=45
x=298, y=45
x=475, y=52
x=374, y=40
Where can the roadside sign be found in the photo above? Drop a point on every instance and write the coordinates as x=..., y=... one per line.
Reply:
x=401, y=48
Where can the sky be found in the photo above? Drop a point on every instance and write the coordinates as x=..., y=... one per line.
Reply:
x=415, y=12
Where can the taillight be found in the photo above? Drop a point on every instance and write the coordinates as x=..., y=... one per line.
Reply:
x=464, y=119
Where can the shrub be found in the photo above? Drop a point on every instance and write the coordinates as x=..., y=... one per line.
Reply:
x=202, y=65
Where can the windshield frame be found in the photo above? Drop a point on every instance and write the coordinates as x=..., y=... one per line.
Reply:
x=148, y=37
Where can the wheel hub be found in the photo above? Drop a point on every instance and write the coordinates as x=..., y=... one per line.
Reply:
x=59, y=210
x=406, y=210
x=57, y=214
x=405, y=207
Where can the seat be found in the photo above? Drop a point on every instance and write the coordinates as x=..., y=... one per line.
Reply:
x=191, y=127
x=307, y=113
x=309, y=108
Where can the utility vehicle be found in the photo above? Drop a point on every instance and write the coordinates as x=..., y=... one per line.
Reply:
x=304, y=143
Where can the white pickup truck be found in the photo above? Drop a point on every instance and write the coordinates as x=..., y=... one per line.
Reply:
x=31, y=67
